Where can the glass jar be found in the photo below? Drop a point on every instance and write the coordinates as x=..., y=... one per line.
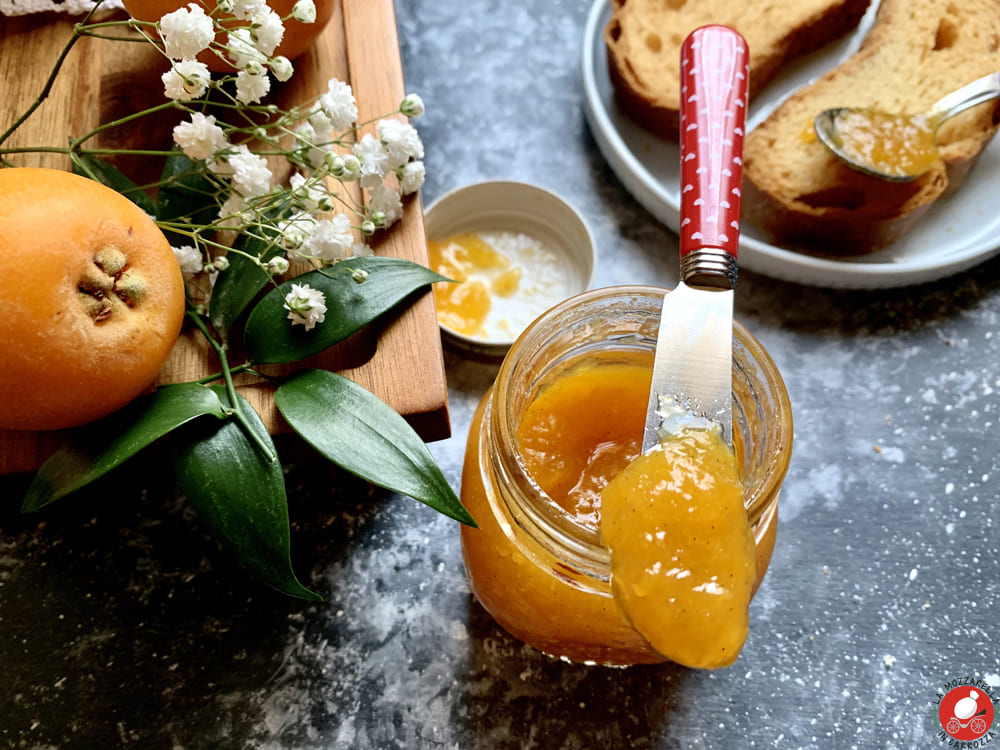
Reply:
x=543, y=575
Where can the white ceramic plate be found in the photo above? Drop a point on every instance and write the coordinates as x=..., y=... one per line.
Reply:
x=956, y=233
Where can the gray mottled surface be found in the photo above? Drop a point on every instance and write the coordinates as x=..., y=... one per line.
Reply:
x=122, y=625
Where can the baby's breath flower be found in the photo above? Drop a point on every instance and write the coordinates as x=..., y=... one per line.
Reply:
x=368, y=227
x=278, y=265
x=412, y=106
x=411, y=177
x=321, y=124
x=221, y=263
x=359, y=275
x=306, y=306
x=384, y=200
x=246, y=8
x=304, y=11
x=339, y=105
x=226, y=6
x=305, y=135
x=267, y=31
x=251, y=88
x=295, y=230
x=282, y=68
x=311, y=150
x=310, y=195
x=401, y=142
x=233, y=213
x=352, y=168
x=335, y=164
x=293, y=239
x=186, y=80
x=186, y=32
x=200, y=138
x=361, y=250
x=373, y=158
x=330, y=239
x=241, y=49
x=316, y=157
x=189, y=259
x=251, y=175
x=255, y=68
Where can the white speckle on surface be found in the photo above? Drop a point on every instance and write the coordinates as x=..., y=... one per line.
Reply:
x=889, y=661
x=949, y=488
x=913, y=574
x=823, y=483
x=893, y=454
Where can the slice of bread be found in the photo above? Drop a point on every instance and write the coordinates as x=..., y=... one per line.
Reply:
x=916, y=52
x=643, y=40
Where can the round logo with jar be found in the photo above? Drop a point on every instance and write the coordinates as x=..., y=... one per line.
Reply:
x=966, y=713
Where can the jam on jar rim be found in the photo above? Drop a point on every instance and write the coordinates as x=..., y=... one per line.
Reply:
x=578, y=547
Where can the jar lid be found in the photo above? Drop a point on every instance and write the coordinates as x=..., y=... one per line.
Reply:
x=537, y=235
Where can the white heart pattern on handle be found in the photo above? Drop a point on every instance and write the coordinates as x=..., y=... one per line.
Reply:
x=715, y=65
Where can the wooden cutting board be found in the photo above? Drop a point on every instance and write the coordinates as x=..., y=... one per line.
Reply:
x=400, y=362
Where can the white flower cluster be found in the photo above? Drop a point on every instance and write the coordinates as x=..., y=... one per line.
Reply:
x=306, y=306
x=322, y=144
x=190, y=32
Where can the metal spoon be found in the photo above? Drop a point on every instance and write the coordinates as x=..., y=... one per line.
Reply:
x=898, y=148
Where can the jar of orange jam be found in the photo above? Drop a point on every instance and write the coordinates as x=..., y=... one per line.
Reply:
x=536, y=562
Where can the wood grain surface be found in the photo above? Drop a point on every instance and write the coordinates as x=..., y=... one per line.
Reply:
x=399, y=361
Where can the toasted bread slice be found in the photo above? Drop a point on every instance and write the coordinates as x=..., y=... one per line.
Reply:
x=916, y=52
x=643, y=40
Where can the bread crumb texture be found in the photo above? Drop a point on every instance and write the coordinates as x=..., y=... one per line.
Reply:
x=643, y=39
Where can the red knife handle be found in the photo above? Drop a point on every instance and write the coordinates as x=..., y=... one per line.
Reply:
x=714, y=72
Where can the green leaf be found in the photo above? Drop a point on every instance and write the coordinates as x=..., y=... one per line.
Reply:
x=185, y=194
x=271, y=338
x=109, y=176
x=240, y=495
x=101, y=446
x=237, y=286
x=363, y=435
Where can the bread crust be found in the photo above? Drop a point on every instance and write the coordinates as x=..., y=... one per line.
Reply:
x=643, y=39
x=916, y=52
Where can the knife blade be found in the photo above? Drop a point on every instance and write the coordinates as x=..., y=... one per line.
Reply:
x=692, y=369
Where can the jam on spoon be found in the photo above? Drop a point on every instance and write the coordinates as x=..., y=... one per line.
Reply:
x=893, y=147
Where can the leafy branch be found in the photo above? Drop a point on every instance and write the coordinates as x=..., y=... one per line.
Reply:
x=214, y=185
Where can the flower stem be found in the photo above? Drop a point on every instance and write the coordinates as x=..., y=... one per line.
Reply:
x=46, y=89
x=220, y=350
x=75, y=143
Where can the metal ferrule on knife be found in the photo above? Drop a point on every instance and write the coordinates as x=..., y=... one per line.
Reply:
x=709, y=267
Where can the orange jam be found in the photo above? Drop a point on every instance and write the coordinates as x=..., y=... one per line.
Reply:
x=584, y=429
x=503, y=280
x=682, y=551
x=463, y=306
x=581, y=430
x=897, y=145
